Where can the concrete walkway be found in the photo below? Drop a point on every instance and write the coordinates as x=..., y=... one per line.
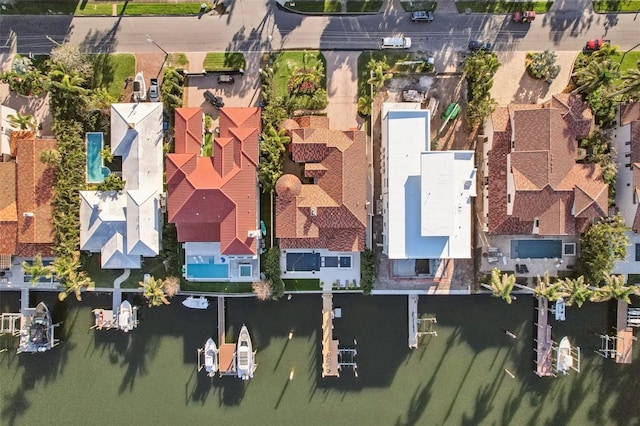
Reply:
x=117, y=293
x=342, y=89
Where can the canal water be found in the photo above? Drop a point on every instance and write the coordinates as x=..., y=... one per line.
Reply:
x=462, y=376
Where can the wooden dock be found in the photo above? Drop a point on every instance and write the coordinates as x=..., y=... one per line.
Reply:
x=544, y=342
x=226, y=351
x=624, y=341
x=329, y=346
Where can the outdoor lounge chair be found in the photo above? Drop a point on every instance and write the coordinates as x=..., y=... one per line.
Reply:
x=518, y=268
x=524, y=269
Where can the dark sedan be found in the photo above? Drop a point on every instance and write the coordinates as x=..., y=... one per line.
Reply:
x=475, y=45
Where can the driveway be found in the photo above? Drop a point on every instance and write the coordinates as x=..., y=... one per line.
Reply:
x=512, y=83
x=342, y=89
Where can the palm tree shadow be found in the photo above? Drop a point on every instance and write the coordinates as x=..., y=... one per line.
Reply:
x=15, y=405
x=417, y=405
x=142, y=348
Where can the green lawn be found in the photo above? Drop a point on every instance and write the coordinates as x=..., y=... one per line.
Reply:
x=138, y=9
x=328, y=6
x=212, y=287
x=364, y=6
x=65, y=7
x=628, y=6
x=102, y=277
x=178, y=61
x=415, y=6
x=293, y=59
x=630, y=60
x=302, y=284
x=224, y=61
x=112, y=69
x=503, y=6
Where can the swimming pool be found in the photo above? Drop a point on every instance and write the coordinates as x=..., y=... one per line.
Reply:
x=203, y=267
x=536, y=249
x=96, y=172
x=303, y=262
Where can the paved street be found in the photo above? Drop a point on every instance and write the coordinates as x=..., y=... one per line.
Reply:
x=259, y=25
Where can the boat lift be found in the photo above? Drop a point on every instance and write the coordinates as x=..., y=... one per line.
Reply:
x=609, y=345
x=10, y=324
x=633, y=317
x=347, y=358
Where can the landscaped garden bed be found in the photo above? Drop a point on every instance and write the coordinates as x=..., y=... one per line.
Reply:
x=313, y=6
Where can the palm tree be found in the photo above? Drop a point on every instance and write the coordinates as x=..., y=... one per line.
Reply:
x=501, y=284
x=377, y=78
x=596, y=74
x=37, y=269
x=106, y=155
x=51, y=157
x=630, y=83
x=153, y=291
x=276, y=139
x=71, y=82
x=575, y=291
x=171, y=286
x=22, y=122
x=548, y=290
x=614, y=288
x=364, y=105
x=75, y=283
x=606, y=52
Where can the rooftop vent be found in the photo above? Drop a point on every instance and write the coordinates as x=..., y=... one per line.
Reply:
x=314, y=211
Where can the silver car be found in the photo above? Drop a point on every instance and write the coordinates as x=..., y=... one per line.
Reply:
x=154, y=90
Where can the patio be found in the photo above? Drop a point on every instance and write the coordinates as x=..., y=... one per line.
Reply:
x=328, y=275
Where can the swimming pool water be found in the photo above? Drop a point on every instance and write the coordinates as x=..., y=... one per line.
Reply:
x=205, y=267
x=536, y=249
x=303, y=262
x=96, y=172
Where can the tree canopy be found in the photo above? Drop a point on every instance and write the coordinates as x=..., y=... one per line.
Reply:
x=601, y=246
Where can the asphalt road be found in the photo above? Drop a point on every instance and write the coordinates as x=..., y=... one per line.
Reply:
x=260, y=25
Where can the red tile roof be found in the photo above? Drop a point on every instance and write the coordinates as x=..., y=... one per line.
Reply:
x=213, y=199
x=548, y=183
x=188, y=130
x=8, y=208
x=330, y=213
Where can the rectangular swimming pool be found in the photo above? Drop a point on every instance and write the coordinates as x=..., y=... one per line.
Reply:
x=96, y=172
x=206, y=268
x=536, y=249
x=303, y=262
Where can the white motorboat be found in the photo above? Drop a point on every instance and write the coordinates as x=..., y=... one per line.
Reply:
x=565, y=359
x=245, y=357
x=139, y=87
x=196, y=302
x=37, y=330
x=126, y=320
x=211, y=357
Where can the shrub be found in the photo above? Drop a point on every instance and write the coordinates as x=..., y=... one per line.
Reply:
x=271, y=265
x=367, y=271
x=542, y=65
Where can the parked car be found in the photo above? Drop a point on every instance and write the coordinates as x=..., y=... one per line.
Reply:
x=225, y=79
x=475, y=45
x=422, y=16
x=395, y=43
x=524, y=17
x=154, y=91
x=214, y=100
x=593, y=45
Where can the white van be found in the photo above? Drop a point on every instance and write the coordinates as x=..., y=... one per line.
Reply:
x=395, y=43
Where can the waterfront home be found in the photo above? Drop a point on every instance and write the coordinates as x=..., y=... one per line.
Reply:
x=321, y=202
x=213, y=200
x=26, y=214
x=426, y=197
x=626, y=142
x=124, y=226
x=537, y=199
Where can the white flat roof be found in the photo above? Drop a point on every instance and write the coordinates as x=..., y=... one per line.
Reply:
x=417, y=226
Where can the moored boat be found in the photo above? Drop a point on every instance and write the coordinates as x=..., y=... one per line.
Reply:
x=211, y=357
x=37, y=330
x=126, y=320
x=565, y=359
x=245, y=357
x=196, y=302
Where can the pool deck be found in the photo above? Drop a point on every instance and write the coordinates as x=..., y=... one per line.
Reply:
x=624, y=342
x=226, y=351
x=544, y=343
x=329, y=346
